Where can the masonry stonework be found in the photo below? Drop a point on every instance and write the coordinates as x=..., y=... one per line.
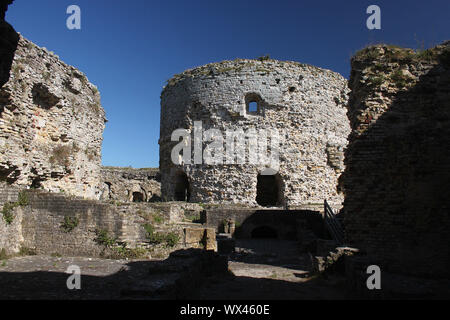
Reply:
x=51, y=125
x=129, y=184
x=397, y=178
x=305, y=104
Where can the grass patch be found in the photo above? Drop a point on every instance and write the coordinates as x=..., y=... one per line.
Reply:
x=264, y=58
x=171, y=239
x=3, y=255
x=399, y=79
x=158, y=218
x=69, y=223
x=123, y=252
x=7, y=212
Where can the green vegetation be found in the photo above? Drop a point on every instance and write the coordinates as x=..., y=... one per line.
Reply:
x=376, y=81
x=158, y=218
x=122, y=252
x=264, y=58
x=8, y=207
x=426, y=55
x=171, y=239
x=399, y=79
x=3, y=255
x=23, y=199
x=69, y=223
x=118, y=250
x=103, y=238
x=393, y=53
x=7, y=212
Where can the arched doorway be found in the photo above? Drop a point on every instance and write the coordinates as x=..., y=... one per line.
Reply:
x=264, y=232
x=268, y=190
x=182, y=189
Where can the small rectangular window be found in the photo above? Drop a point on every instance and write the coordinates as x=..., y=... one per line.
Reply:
x=253, y=107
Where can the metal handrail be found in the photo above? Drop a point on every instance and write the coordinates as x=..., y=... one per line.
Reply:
x=332, y=223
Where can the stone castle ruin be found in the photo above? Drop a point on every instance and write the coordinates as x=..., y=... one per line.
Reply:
x=51, y=123
x=305, y=104
x=374, y=147
x=132, y=185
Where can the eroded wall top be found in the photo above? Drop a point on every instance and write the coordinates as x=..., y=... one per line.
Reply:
x=51, y=122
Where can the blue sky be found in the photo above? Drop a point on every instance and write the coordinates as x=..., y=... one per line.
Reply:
x=130, y=48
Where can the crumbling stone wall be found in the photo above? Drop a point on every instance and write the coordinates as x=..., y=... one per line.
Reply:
x=128, y=184
x=51, y=125
x=305, y=104
x=40, y=224
x=397, y=178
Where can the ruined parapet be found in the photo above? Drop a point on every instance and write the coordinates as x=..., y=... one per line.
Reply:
x=397, y=178
x=51, y=123
x=304, y=104
x=4, y=7
x=129, y=184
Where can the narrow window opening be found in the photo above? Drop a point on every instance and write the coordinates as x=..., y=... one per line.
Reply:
x=254, y=104
x=253, y=107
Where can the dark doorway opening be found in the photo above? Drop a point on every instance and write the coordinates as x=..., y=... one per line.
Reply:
x=138, y=197
x=182, y=192
x=268, y=190
x=264, y=232
x=36, y=183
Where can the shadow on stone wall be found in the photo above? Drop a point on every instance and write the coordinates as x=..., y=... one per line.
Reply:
x=280, y=224
x=397, y=178
x=8, y=44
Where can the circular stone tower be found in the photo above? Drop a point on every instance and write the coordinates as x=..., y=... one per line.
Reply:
x=293, y=112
